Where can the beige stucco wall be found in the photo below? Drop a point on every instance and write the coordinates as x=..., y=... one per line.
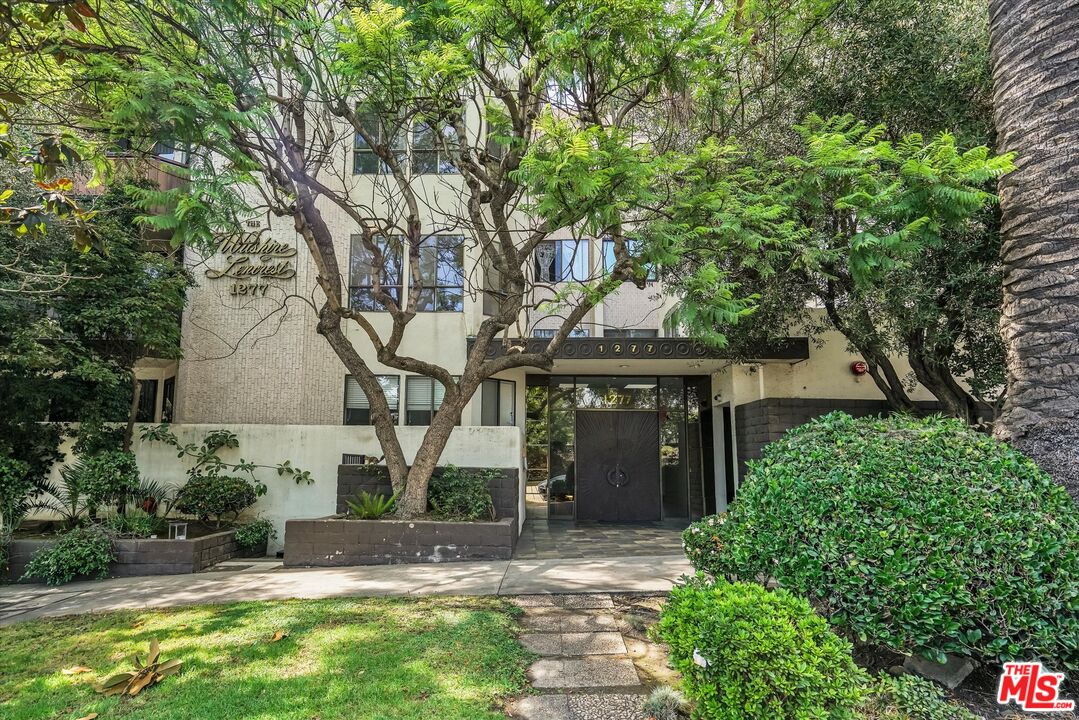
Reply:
x=319, y=450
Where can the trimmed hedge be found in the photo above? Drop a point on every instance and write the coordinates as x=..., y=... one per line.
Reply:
x=215, y=495
x=746, y=652
x=921, y=535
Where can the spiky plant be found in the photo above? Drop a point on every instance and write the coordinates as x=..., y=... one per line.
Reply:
x=133, y=682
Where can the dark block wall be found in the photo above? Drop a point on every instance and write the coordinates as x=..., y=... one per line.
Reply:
x=352, y=479
x=332, y=542
x=763, y=421
x=146, y=557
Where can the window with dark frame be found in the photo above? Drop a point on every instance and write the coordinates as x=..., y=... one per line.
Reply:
x=423, y=398
x=363, y=271
x=364, y=159
x=147, y=407
x=430, y=156
x=561, y=260
x=357, y=406
x=549, y=332
x=442, y=275
x=168, y=399
x=498, y=403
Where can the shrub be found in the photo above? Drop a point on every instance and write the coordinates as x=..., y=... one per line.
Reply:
x=921, y=535
x=759, y=654
x=459, y=495
x=78, y=552
x=255, y=533
x=909, y=697
x=206, y=496
x=370, y=506
x=137, y=524
x=106, y=478
x=16, y=487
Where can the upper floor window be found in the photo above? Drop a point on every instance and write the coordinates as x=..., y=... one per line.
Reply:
x=171, y=151
x=498, y=402
x=357, y=406
x=431, y=148
x=631, y=332
x=423, y=398
x=442, y=275
x=561, y=260
x=384, y=131
x=431, y=153
x=363, y=269
x=632, y=247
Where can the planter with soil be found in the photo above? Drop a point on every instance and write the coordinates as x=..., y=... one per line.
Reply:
x=204, y=547
x=338, y=541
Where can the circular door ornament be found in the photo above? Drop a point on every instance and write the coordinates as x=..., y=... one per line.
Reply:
x=617, y=477
x=858, y=367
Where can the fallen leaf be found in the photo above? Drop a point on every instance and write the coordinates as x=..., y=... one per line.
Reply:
x=91, y=716
x=279, y=635
x=76, y=670
x=136, y=625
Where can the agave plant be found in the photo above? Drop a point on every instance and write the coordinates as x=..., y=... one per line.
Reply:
x=371, y=507
x=143, y=676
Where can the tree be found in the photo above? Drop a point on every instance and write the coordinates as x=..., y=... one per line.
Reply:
x=905, y=66
x=858, y=226
x=67, y=354
x=1035, y=48
x=539, y=108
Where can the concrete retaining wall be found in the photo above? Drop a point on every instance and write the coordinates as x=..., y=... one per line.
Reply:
x=333, y=541
x=146, y=557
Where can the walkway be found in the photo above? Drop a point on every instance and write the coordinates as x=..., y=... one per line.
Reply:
x=596, y=662
x=239, y=580
x=550, y=539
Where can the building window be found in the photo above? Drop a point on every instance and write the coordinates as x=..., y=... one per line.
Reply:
x=363, y=270
x=631, y=246
x=442, y=274
x=423, y=398
x=364, y=159
x=168, y=399
x=549, y=332
x=147, y=406
x=561, y=260
x=631, y=333
x=498, y=402
x=357, y=407
x=430, y=156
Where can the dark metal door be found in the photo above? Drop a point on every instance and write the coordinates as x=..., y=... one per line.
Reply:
x=617, y=466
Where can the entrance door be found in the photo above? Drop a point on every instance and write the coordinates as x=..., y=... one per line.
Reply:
x=617, y=466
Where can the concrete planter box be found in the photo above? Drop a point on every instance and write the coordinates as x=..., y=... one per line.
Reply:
x=335, y=541
x=146, y=557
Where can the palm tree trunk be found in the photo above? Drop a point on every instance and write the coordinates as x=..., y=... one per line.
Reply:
x=1035, y=58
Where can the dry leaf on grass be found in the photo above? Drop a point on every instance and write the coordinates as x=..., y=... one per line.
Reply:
x=76, y=670
x=91, y=716
x=143, y=676
x=279, y=635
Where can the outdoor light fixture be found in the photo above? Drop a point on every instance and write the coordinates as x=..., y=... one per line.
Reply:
x=177, y=531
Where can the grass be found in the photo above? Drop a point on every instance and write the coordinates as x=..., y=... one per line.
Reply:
x=374, y=659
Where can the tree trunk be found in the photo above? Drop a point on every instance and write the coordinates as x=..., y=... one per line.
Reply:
x=1035, y=59
x=413, y=501
x=132, y=413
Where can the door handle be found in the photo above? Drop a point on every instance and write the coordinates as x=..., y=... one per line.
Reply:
x=617, y=477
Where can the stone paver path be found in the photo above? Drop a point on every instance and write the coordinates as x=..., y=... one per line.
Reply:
x=589, y=668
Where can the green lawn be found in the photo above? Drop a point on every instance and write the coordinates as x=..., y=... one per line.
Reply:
x=356, y=659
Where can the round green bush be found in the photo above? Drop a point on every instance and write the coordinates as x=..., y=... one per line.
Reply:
x=106, y=477
x=746, y=652
x=82, y=552
x=255, y=533
x=206, y=496
x=921, y=535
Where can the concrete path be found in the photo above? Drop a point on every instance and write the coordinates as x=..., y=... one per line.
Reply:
x=235, y=581
x=593, y=664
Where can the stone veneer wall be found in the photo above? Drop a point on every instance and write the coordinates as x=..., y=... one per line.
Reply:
x=146, y=557
x=353, y=479
x=763, y=421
